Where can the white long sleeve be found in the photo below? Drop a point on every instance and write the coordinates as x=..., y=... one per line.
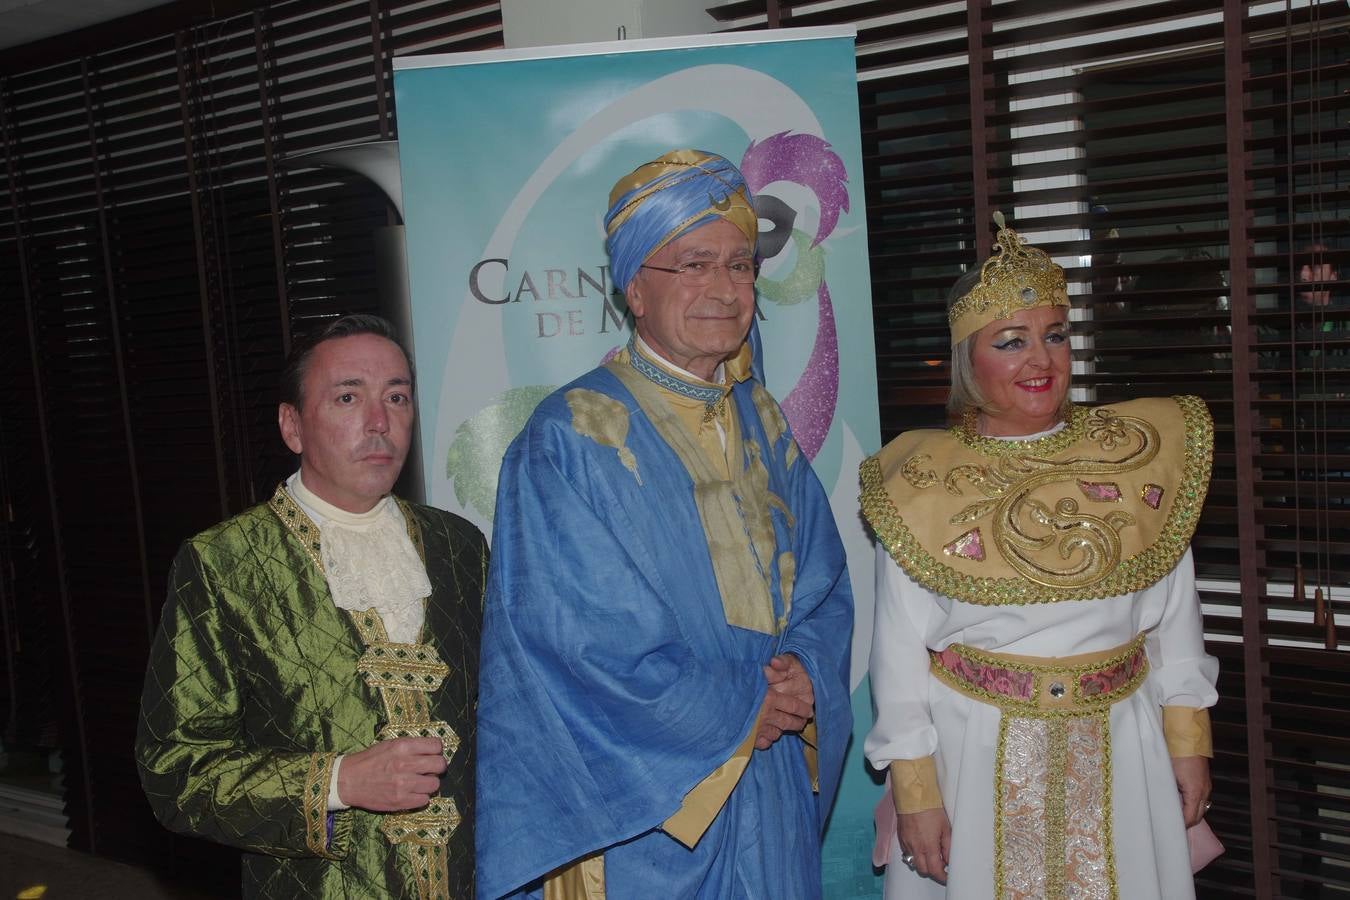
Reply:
x=1181, y=673
x=899, y=669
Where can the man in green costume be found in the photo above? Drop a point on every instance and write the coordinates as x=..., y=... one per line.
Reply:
x=310, y=695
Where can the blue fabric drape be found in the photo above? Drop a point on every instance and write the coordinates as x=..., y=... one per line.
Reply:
x=612, y=684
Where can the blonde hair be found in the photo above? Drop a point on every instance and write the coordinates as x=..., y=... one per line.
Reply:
x=965, y=392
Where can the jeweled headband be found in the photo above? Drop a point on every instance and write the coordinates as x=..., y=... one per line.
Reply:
x=1016, y=276
x=661, y=200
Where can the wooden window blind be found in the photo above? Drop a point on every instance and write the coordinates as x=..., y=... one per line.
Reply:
x=158, y=261
x=1186, y=161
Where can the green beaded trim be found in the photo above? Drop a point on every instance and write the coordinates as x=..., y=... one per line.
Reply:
x=1136, y=573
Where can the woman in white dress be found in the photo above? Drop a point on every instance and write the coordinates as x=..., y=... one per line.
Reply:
x=1038, y=662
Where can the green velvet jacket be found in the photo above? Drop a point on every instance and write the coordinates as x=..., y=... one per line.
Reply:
x=252, y=690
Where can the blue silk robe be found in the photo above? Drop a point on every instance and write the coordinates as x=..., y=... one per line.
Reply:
x=611, y=681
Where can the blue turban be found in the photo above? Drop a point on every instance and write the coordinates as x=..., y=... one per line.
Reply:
x=668, y=197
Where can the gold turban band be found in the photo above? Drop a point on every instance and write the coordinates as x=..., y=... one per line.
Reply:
x=667, y=197
x=1016, y=276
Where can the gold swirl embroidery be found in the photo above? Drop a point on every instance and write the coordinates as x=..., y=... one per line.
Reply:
x=1139, y=571
x=913, y=472
x=1026, y=530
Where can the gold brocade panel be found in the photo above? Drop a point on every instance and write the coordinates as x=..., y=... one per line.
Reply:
x=1052, y=823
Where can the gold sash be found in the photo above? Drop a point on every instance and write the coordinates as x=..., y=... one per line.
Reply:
x=1104, y=507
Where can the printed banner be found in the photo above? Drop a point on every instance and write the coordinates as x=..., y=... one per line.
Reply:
x=507, y=160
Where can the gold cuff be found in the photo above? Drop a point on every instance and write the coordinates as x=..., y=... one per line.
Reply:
x=706, y=799
x=1187, y=731
x=914, y=785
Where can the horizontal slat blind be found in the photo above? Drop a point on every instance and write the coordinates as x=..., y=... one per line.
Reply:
x=171, y=259
x=1296, y=123
x=1106, y=132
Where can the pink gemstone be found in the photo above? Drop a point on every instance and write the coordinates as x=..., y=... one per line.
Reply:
x=1101, y=491
x=1153, y=495
x=967, y=546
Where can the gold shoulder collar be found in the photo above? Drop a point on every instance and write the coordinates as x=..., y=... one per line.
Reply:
x=1106, y=506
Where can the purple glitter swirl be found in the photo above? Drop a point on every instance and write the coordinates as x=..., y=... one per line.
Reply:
x=811, y=404
x=806, y=160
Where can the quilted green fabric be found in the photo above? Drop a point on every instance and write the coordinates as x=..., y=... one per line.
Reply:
x=252, y=689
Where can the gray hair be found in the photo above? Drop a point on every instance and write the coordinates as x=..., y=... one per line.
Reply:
x=965, y=390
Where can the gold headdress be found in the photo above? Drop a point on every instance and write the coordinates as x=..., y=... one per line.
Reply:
x=1016, y=276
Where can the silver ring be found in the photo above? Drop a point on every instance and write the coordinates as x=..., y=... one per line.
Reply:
x=1208, y=804
x=907, y=859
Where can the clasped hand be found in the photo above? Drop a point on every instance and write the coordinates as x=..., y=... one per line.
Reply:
x=394, y=775
x=789, y=703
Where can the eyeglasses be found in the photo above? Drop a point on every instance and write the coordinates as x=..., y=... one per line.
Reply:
x=700, y=274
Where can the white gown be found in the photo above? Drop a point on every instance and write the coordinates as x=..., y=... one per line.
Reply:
x=916, y=715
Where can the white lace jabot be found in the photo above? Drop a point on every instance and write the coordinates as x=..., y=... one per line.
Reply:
x=369, y=561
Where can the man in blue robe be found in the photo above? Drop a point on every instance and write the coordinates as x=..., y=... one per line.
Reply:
x=664, y=699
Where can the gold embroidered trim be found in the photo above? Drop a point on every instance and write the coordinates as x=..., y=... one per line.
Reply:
x=402, y=675
x=435, y=728
x=1050, y=834
x=737, y=523
x=1108, y=835
x=1073, y=702
x=423, y=836
x=913, y=471
x=430, y=826
x=316, y=803
x=388, y=667
x=1129, y=575
x=412, y=667
x=1074, y=430
x=301, y=527
x=1056, y=761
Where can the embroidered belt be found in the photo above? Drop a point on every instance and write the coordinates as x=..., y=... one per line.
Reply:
x=1046, y=686
x=1052, y=771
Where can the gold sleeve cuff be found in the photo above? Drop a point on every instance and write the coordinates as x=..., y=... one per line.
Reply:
x=914, y=785
x=316, y=811
x=812, y=754
x=706, y=799
x=1187, y=731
